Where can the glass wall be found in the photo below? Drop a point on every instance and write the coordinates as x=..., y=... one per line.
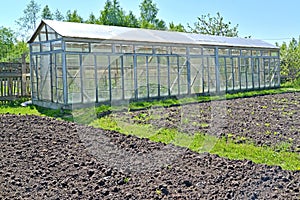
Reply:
x=67, y=71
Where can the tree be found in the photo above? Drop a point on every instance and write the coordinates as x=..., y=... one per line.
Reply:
x=214, y=26
x=46, y=13
x=19, y=48
x=112, y=14
x=290, y=60
x=7, y=40
x=148, y=18
x=177, y=28
x=73, y=17
x=27, y=23
x=10, y=48
x=131, y=20
x=92, y=19
x=58, y=16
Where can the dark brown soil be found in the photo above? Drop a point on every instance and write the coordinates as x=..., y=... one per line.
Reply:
x=43, y=158
x=272, y=120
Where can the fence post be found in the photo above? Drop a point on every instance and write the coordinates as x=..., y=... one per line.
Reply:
x=24, y=92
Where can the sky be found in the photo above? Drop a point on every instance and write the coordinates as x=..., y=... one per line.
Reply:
x=268, y=20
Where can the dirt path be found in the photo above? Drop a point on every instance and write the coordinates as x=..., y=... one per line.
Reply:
x=43, y=158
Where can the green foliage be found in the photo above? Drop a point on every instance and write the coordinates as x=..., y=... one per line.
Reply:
x=7, y=40
x=28, y=22
x=46, y=13
x=177, y=28
x=206, y=143
x=131, y=20
x=10, y=49
x=58, y=16
x=214, y=26
x=18, y=50
x=148, y=17
x=73, y=17
x=92, y=19
x=290, y=61
x=112, y=14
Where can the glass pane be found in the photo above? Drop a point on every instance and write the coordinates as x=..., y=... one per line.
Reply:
x=73, y=78
x=235, y=52
x=116, y=77
x=142, y=66
x=246, y=52
x=162, y=50
x=153, y=76
x=88, y=78
x=174, y=75
x=229, y=71
x=98, y=47
x=35, y=47
x=103, y=77
x=126, y=49
x=255, y=53
x=43, y=36
x=236, y=73
x=274, y=53
x=179, y=50
x=45, y=78
x=223, y=52
x=196, y=75
x=183, y=84
x=45, y=46
x=212, y=73
x=77, y=47
x=144, y=49
x=222, y=73
x=266, y=53
x=56, y=45
x=256, y=72
x=51, y=33
x=163, y=76
x=129, y=77
x=195, y=51
x=208, y=51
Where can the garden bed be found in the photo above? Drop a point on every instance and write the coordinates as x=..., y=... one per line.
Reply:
x=270, y=120
x=43, y=158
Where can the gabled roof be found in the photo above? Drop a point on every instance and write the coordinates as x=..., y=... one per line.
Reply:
x=103, y=32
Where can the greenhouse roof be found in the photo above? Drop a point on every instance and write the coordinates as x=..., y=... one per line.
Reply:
x=103, y=32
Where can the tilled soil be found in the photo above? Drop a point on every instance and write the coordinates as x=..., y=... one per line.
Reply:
x=43, y=158
x=272, y=120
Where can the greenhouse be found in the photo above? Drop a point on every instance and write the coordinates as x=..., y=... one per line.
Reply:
x=75, y=64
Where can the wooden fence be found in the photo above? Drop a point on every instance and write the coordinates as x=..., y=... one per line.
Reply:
x=14, y=80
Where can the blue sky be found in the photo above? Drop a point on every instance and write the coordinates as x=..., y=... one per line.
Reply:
x=269, y=20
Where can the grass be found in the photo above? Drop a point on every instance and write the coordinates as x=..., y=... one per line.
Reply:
x=138, y=105
x=279, y=155
x=17, y=109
